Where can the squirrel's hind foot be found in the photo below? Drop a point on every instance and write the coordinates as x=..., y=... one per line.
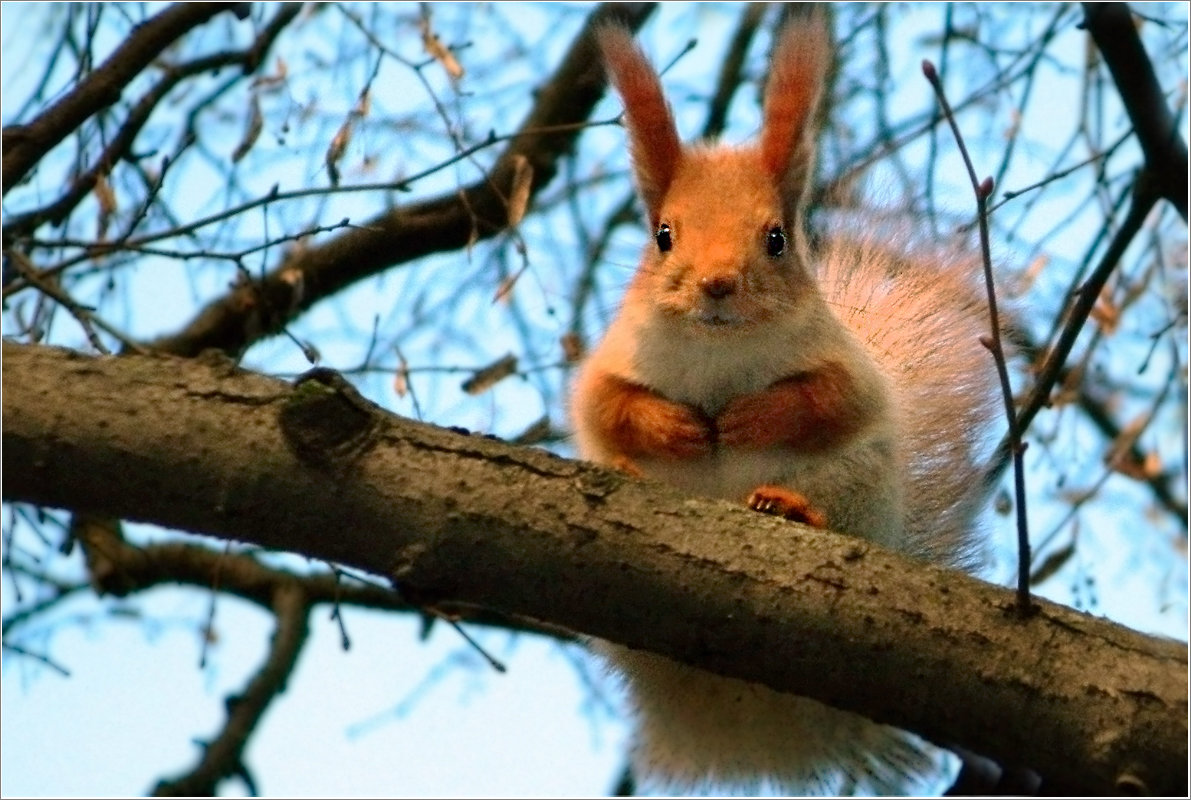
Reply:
x=786, y=503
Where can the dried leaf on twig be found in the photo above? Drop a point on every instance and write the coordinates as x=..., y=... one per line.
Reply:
x=439, y=51
x=274, y=81
x=343, y=136
x=519, y=195
x=251, y=131
x=485, y=378
x=107, y=205
x=401, y=379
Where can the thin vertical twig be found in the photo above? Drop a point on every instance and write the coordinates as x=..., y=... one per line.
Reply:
x=983, y=190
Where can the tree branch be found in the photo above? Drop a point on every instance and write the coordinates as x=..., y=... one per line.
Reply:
x=25, y=145
x=248, y=59
x=120, y=568
x=406, y=233
x=1092, y=706
x=1111, y=28
x=1144, y=197
x=223, y=757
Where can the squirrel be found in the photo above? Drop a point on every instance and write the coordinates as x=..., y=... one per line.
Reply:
x=845, y=388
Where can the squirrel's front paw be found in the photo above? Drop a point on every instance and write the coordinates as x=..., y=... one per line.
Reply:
x=665, y=429
x=786, y=503
x=634, y=422
x=755, y=421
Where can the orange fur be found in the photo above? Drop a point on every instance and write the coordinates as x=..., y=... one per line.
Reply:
x=800, y=59
x=811, y=411
x=635, y=422
x=648, y=115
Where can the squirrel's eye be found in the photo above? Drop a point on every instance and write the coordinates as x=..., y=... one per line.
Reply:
x=663, y=238
x=775, y=241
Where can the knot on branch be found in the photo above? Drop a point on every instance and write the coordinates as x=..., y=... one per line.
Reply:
x=326, y=422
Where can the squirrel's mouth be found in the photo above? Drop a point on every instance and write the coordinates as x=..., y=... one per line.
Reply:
x=716, y=316
x=718, y=320
x=707, y=316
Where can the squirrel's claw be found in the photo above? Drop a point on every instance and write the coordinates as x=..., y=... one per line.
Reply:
x=786, y=503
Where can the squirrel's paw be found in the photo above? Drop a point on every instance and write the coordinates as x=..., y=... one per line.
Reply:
x=626, y=464
x=782, y=502
x=755, y=421
x=665, y=429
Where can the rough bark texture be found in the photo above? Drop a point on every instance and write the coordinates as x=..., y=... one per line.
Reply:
x=457, y=519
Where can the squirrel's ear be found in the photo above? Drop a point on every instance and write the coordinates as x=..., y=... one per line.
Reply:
x=800, y=62
x=653, y=138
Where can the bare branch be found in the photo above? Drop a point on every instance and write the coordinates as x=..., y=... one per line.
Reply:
x=25, y=145
x=407, y=233
x=120, y=144
x=1145, y=197
x=1112, y=29
x=982, y=191
x=223, y=757
x=120, y=568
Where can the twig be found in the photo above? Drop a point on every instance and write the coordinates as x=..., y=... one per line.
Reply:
x=24, y=145
x=1006, y=196
x=122, y=141
x=24, y=614
x=223, y=756
x=1144, y=197
x=17, y=649
x=406, y=233
x=492, y=661
x=983, y=190
x=337, y=610
x=86, y=318
x=1123, y=450
x=209, y=626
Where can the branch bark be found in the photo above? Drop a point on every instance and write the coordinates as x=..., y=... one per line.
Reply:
x=466, y=521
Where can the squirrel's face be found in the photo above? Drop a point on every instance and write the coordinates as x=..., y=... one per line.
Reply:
x=728, y=263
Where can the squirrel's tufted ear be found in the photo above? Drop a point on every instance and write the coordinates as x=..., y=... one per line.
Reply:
x=800, y=62
x=653, y=137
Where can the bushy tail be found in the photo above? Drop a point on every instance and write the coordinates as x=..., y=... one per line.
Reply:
x=699, y=733
x=921, y=314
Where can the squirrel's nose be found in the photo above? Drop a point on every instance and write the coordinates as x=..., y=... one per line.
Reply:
x=717, y=287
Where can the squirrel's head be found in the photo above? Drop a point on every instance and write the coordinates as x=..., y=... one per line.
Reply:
x=728, y=249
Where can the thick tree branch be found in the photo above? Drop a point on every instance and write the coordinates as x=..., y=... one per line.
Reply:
x=1112, y=29
x=407, y=233
x=466, y=520
x=24, y=145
